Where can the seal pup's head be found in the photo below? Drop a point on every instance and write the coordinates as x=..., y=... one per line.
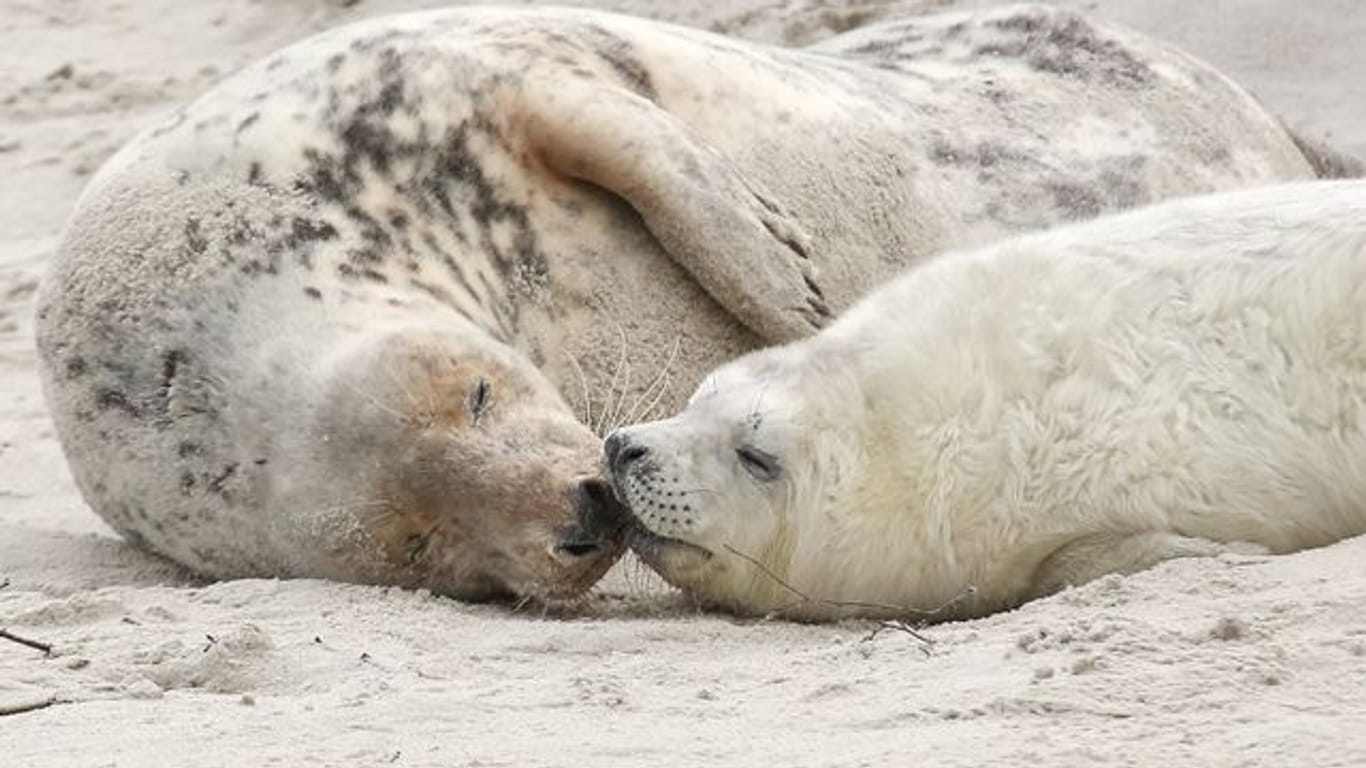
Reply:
x=739, y=500
x=465, y=471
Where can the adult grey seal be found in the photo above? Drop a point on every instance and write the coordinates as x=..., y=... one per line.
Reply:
x=324, y=320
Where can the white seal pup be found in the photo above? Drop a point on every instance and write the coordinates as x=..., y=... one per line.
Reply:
x=999, y=423
x=323, y=320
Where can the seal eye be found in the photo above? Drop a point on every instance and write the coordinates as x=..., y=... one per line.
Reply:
x=761, y=465
x=480, y=397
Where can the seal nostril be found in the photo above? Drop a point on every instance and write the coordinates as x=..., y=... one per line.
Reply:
x=630, y=454
x=597, y=492
x=600, y=515
x=621, y=451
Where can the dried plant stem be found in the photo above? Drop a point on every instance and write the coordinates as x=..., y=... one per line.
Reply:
x=898, y=624
x=34, y=644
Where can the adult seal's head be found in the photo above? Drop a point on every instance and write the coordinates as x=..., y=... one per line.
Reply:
x=465, y=471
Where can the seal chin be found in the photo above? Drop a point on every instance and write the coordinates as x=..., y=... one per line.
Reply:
x=668, y=556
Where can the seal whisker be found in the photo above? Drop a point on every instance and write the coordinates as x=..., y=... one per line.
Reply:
x=620, y=393
x=353, y=505
x=583, y=386
x=375, y=401
x=665, y=384
x=605, y=418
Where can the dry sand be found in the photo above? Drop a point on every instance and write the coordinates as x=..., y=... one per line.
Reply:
x=1203, y=662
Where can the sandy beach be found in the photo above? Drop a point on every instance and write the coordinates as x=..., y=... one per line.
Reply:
x=1238, y=661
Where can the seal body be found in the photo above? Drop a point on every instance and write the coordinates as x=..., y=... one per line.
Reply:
x=324, y=320
x=1187, y=379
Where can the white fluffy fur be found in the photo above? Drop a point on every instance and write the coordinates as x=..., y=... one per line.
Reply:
x=1186, y=379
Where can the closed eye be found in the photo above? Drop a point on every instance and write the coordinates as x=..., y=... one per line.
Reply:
x=480, y=397
x=761, y=465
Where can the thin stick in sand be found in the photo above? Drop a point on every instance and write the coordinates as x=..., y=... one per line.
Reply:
x=34, y=644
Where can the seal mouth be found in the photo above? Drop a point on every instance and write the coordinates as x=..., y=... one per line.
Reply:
x=653, y=548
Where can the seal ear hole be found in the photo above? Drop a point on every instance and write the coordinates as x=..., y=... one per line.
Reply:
x=761, y=465
x=481, y=396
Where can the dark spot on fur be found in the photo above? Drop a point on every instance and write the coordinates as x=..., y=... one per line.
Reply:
x=170, y=364
x=302, y=230
x=217, y=484
x=75, y=367
x=313, y=293
x=187, y=483
x=620, y=56
x=194, y=237
x=365, y=139
x=1067, y=45
x=187, y=449
x=135, y=539
x=1022, y=22
x=112, y=399
x=247, y=121
x=1076, y=201
x=984, y=154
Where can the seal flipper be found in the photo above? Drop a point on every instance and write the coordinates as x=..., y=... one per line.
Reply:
x=742, y=247
x=1091, y=557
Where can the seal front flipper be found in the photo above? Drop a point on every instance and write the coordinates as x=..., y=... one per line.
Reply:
x=1091, y=557
x=739, y=243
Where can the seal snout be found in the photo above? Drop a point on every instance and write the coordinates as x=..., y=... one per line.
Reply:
x=601, y=523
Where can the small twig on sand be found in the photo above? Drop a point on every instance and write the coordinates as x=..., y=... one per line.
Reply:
x=34, y=644
x=4, y=583
x=28, y=706
x=898, y=624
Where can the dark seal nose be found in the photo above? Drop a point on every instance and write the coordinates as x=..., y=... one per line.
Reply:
x=602, y=521
x=622, y=452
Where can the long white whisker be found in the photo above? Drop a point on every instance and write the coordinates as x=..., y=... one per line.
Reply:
x=616, y=421
x=374, y=401
x=350, y=506
x=583, y=386
x=666, y=385
x=612, y=388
